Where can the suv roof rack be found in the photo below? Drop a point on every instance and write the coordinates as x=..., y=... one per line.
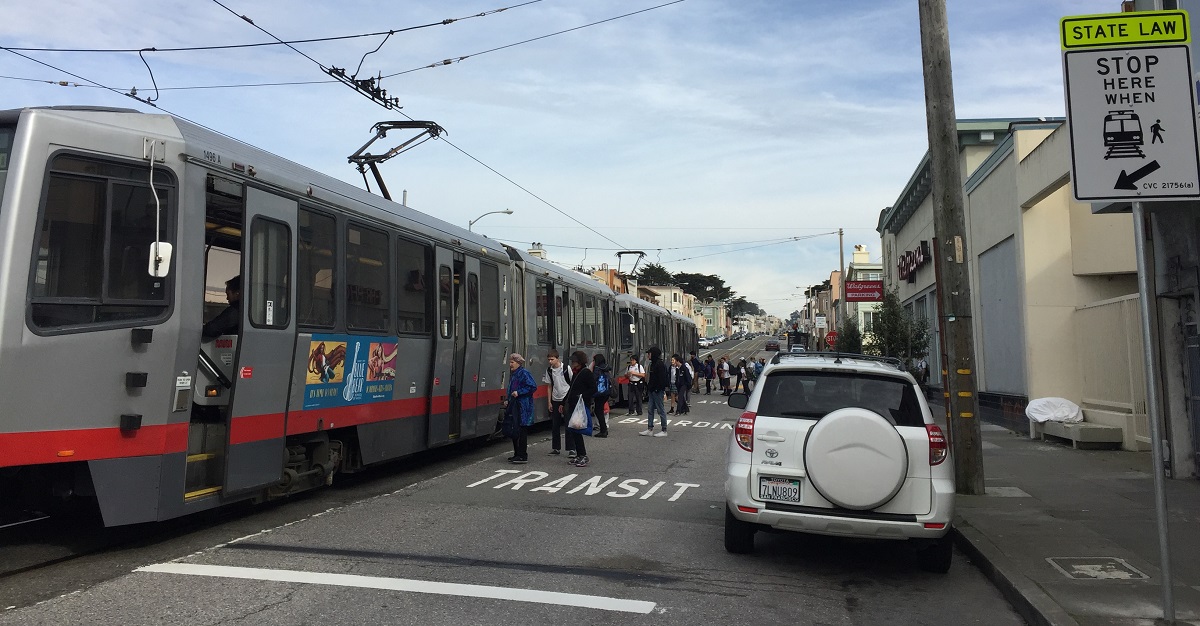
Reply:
x=886, y=360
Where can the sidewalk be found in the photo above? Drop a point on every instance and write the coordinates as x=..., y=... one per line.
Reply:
x=1070, y=536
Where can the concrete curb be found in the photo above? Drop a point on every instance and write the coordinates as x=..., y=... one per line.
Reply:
x=1031, y=603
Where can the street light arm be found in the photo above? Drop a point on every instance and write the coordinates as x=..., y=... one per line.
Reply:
x=472, y=222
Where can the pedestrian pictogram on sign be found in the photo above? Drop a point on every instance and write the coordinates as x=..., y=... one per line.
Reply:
x=1131, y=106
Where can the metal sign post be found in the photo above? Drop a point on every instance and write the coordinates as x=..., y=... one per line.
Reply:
x=1122, y=71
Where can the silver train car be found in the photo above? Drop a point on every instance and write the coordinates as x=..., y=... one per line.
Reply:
x=367, y=331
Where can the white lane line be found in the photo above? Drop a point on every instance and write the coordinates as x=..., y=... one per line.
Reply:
x=403, y=584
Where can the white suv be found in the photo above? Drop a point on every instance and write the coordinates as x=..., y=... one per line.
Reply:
x=839, y=445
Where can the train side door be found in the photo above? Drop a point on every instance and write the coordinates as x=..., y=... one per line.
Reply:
x=446, y=397
x=258, y=405
x=469, y=381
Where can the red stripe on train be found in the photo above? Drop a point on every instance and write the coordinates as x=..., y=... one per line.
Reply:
x=90, y=444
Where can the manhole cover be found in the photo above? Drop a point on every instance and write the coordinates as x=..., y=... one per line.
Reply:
x=1096, y=568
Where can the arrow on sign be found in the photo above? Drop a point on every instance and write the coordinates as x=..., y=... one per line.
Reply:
x=1126, y=181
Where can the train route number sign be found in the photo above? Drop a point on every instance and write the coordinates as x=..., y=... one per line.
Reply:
x=1131, y=108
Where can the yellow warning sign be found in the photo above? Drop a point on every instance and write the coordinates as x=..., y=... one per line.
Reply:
x=1116, y=30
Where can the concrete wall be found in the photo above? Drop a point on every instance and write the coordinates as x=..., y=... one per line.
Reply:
x=1050, y=301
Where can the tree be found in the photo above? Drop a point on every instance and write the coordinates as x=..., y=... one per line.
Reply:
x=849, y=338
x=706, y=287
x=654, y=274
x=896, y=333
x=740, y=306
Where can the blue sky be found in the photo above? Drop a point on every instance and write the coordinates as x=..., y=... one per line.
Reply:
x=703, y=123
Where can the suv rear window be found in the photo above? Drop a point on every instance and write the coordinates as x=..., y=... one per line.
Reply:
x=812, y=395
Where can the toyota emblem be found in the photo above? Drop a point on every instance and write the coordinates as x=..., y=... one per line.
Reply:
x=772, y=453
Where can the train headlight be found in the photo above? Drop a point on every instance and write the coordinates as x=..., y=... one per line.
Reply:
x=212, y=391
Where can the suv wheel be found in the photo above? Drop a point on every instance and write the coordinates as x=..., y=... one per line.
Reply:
x=936, y=556
x=739, y=535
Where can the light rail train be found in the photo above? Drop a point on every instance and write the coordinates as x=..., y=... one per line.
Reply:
x=368, y=331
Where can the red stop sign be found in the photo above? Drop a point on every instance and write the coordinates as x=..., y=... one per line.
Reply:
x=831, y=338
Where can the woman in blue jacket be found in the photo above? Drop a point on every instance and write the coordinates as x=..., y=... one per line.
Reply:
x=519, y=407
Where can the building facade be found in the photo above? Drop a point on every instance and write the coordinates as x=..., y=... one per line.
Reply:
x=1053, y=284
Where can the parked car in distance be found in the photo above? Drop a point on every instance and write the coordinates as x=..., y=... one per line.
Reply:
x=797, y=350
x=705, y=342
x=772, y=344
x=841, y=445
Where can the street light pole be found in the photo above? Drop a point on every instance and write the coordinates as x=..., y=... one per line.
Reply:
x=471, y=223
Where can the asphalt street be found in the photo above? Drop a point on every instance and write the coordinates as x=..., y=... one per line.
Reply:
x=635, y=538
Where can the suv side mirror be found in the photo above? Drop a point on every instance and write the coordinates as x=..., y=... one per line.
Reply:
x=739, y=400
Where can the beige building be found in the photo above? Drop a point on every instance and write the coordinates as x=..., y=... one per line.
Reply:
x=861, y=268
x=1053, y=286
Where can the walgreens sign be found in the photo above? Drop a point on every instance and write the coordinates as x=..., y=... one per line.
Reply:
x=913, y=260
x=864, y=291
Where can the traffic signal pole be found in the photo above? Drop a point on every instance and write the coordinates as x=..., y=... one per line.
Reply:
x=951, y=254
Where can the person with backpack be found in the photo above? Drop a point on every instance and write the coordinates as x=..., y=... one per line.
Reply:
x=637, y=385
x=559, y=378
x=604, y=387
x=748, y=384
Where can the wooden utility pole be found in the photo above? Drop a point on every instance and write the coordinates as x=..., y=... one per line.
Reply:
x=951, y=254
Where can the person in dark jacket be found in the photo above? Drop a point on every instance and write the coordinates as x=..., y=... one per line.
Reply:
x=683, y=382
x=600, y=402
x=519, y=406
x=710, y=372
x=655, y=388
x=583, y=389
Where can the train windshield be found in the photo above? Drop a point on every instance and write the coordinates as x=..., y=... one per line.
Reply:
x=6, y=142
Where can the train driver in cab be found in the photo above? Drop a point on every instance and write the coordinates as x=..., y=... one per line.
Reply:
x=229, y=320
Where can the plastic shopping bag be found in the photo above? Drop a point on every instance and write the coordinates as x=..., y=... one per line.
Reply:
x=581, y=418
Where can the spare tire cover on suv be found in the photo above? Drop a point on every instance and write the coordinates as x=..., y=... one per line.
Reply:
x=855, y=459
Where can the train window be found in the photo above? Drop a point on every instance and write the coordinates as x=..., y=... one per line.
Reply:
x=368, y=298
x=543, y=312
x=445, y=302
x=591, y=322
x=270, y=265
x=559, y=322
x=414, y=300
x=489, y=278
x=473, y=306
x=95, y=237
x=577, y=319
x=315, y=268
x=627, y=329
x=604, y=323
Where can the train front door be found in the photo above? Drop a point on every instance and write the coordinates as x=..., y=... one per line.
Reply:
x=262, y=371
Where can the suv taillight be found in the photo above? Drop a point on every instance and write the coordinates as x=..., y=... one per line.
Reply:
x=937, y=444
x=744, y=433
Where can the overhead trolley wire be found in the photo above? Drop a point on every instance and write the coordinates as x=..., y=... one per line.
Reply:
x=459, y=59
x=701, y=256
x=448, y=142
x=277, y=42
x=448, y=61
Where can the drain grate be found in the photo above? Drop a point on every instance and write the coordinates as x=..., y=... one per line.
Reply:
x=1096, y=568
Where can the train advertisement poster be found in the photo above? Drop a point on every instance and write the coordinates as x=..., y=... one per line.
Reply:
x=345, y=370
